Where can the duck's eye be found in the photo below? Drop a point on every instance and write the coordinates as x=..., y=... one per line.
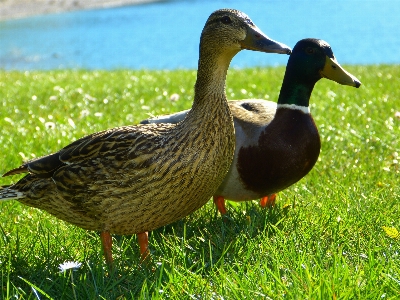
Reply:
x=226, y=20
x=309, y=50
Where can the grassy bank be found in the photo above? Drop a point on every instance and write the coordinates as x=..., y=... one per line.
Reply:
x=324, y=239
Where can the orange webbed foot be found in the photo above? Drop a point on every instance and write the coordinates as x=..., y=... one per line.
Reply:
x=268, y=201
x=220, y=203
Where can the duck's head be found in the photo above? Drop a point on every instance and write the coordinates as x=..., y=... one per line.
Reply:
x=229, y=31
x=313, y=59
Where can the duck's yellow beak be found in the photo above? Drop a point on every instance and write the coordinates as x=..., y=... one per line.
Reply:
x=333, y=71
x=256, y=40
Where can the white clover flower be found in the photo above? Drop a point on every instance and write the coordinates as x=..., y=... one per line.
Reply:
x=7, y=119
x=85, y=113
x=71, y=123
x=50, y=125
x=74, y=265
x=174, y=97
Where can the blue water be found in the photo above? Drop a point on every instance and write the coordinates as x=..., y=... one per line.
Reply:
x=165, y=35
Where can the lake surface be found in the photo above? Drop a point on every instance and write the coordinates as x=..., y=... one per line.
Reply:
x=165, y=35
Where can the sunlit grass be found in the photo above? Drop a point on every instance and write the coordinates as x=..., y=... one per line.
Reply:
x=331, y=236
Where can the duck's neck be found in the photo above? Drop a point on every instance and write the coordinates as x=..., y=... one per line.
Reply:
x=209, y=90
x=295, y=92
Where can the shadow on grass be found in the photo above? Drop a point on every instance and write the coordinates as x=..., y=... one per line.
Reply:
x=195, y=246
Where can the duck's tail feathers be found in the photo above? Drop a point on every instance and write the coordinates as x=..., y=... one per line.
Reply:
x=8, y=193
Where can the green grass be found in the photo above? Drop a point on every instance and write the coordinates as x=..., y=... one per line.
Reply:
x=323, y=240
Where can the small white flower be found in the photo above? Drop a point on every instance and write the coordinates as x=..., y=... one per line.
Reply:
x=90, y=98
x=174, y=97
x=7, y=119
x=69, y=265
x=71, y=123
x=24, y=158
x=331, y=95
x=50, y=125
x=85, y=113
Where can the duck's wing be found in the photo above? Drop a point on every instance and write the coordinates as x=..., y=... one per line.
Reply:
x=252, y=111
x=115, y=142
x=172, y=118
x=250, y=119
x=112, y=142
x=44, y=166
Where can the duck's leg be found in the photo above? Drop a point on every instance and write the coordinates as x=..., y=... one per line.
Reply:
x=106, y=241
x=143, y=240
x=220, y=203
x=268, y=201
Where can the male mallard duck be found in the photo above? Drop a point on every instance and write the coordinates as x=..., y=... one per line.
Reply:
x=133, y=179
x=277, y=145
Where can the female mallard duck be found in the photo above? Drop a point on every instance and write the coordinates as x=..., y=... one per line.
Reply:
x=134, y=179
x=277, y=145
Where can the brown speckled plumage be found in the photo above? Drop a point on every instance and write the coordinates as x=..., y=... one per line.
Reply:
x=134, y=179
x=135, y=186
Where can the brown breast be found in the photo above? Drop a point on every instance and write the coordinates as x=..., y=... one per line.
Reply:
x=286, y=151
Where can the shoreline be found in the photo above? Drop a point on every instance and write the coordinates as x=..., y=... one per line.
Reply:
x=19, y=9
